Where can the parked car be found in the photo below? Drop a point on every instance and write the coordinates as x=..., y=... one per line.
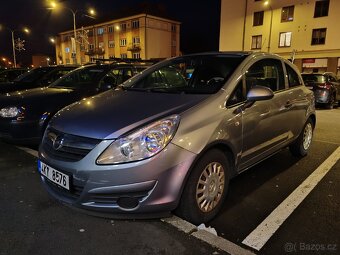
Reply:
x=172, y=137
x=8, y=75
x=37, y=77
x=24, y=114
x=326, y=88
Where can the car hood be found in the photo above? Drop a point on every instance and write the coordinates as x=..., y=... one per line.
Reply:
x=113, y=113
x=36, y=95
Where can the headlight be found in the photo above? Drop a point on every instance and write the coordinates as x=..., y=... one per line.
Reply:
x=10, y=112
x=141, y=144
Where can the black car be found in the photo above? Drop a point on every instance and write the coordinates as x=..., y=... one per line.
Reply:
x=8, y=75
x=37, y=77
x=326, y=88
x=24, y=114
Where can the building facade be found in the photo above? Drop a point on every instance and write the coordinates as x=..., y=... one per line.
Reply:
x=306, y=31
x=140, y=36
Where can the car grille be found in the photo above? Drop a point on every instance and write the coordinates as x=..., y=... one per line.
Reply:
x=66, y=147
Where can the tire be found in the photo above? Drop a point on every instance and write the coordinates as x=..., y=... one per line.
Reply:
x=210, y=173
x=330, y=104
x=301, y=145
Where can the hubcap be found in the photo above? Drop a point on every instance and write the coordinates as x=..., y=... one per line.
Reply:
x=307, y=136
x=210, y=187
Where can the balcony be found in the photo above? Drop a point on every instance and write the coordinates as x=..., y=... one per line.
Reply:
x=95, y=51
x=134, y=47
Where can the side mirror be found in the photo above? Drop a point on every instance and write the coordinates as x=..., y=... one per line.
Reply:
x=259, y=93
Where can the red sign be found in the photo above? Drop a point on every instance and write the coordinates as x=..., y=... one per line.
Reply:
x=308, y=60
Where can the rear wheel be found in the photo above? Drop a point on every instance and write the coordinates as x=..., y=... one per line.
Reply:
x=330, y=104
x=206, y=188
x=301, y=145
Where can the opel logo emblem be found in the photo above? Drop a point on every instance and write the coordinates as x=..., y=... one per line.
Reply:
x=58, y=142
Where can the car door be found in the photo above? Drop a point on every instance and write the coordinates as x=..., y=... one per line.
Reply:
x=265, y=127
x=332, y=79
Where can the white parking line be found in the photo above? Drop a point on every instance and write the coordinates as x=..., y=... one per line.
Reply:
x=258, y=238
x=29, y=151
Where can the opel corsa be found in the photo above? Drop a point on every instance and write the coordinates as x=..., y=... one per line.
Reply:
x=172, y=137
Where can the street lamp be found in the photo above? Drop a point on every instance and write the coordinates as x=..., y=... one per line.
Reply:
x=26, y=30
x=267, y=3
x=91, y=11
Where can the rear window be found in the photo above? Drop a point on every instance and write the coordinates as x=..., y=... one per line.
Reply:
x=319, y=78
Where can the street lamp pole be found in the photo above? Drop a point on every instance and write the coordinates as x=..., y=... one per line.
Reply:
x=75, y=36
x=266, y=3
x=270, y=28
x=13, y=46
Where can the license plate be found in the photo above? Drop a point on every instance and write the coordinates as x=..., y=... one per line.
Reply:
x=54, y=175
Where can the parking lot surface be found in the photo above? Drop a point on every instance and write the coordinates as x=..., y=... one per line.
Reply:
x=32, y=222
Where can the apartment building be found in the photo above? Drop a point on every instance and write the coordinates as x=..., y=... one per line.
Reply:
x=139, y=36
x=306, y=31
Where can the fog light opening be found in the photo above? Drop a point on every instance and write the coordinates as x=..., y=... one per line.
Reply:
x=128, y=202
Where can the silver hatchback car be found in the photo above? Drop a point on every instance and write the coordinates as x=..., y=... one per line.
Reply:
x=172, y=137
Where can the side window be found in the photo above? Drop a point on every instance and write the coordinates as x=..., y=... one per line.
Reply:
x=164, y=78
x=107, y=82
x=236, y=96
x=293, y=77
x=266, y=72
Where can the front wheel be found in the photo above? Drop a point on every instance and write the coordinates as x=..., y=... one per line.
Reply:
x=301, y=145
x=206, y=188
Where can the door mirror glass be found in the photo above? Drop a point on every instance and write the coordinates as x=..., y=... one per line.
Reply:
x=259, y=93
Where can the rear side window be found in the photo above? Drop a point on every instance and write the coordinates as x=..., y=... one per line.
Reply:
x=267, y=73
x=293, y=77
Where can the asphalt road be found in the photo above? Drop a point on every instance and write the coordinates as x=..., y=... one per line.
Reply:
x=256, y=193
x=33, y=223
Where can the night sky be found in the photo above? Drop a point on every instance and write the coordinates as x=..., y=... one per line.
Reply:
x=199, y=18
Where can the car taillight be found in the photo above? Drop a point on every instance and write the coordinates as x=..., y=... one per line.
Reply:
x=325, y=86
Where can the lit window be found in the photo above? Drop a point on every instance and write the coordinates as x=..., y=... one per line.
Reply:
x=100, y=31
x=111, y=44
x=285, y=39
x=136, y=55
x=123, y=55
x=256, y=42
x=101, y=45
x=136, y=40
x=67, y=50
x=122, y=42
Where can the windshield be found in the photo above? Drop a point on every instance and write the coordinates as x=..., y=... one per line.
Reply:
x=33, y=75
x=80, y=77
x=319, y=78
x=192, y=74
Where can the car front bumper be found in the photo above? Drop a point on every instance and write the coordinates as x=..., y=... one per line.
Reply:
x=143, y=187
x=20, y=131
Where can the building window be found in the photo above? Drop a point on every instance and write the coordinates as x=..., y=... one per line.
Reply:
x=256, y=42
x=173, y=28
x=100, y=31
x=287, y=13
x=91, y=46
x=111, y=44
x=101, y=45
x=110, y=29
x=319, y=36
x=123, y=55
x=258, y=18
x=321, y=8
x=135, y=24
x=285, y=39
x=67, y=50
x=136, y=55
x=136, y=40
x=122, y=42
x=123, y=27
